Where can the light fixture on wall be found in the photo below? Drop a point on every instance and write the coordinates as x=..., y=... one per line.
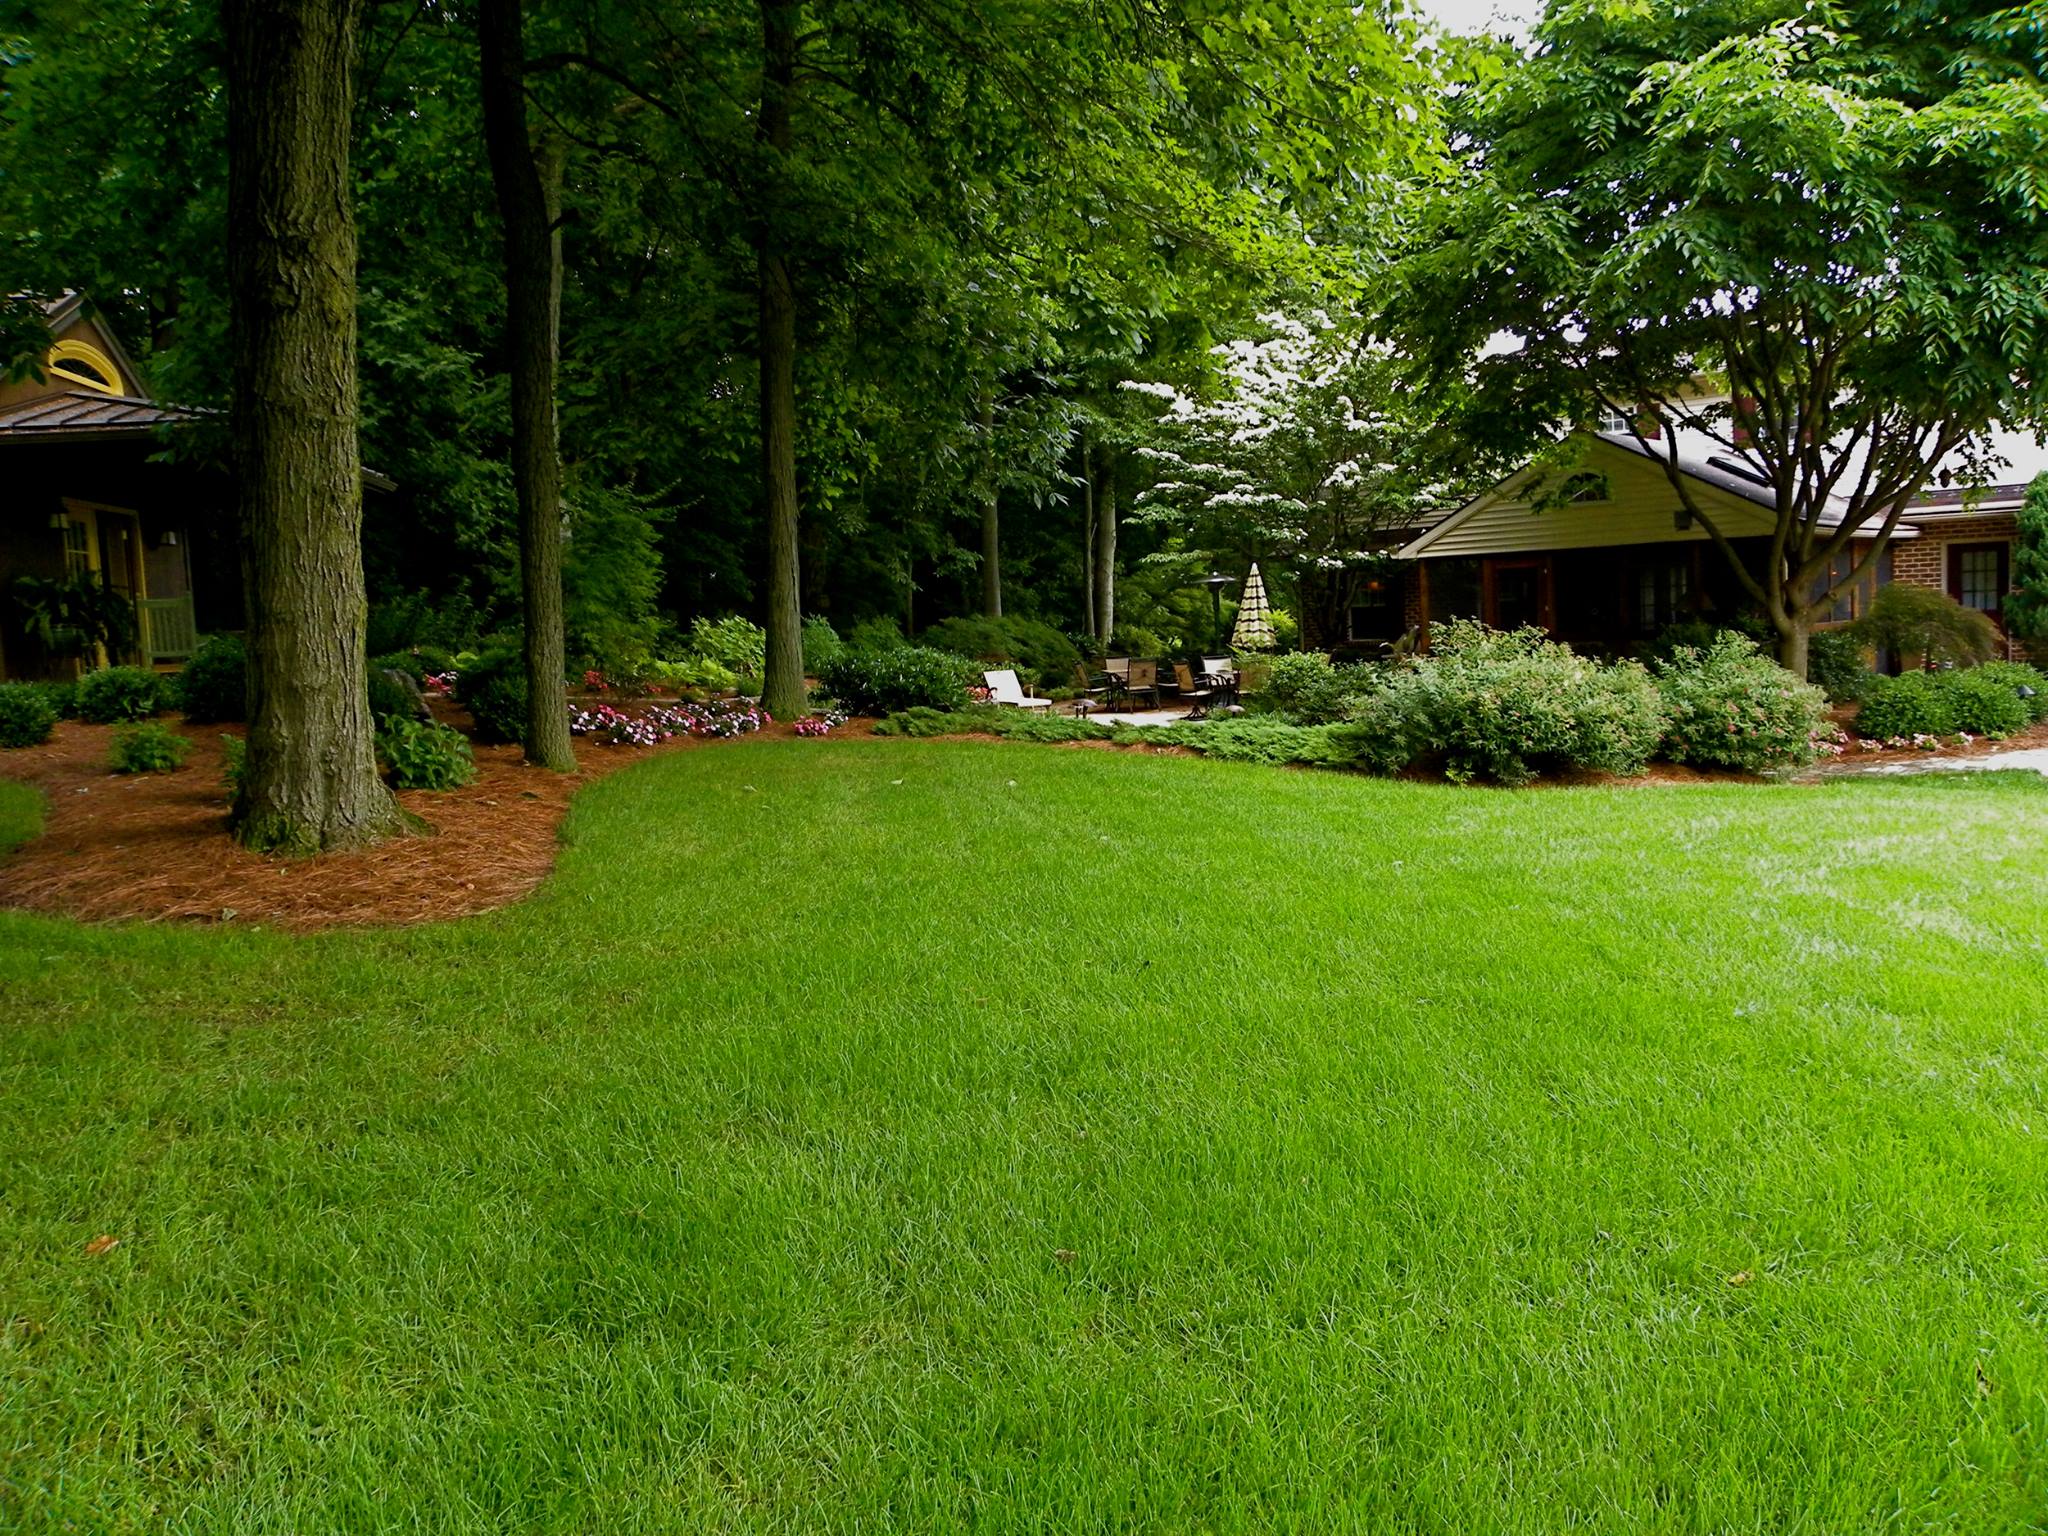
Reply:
x=170, y=540
x=59, y=521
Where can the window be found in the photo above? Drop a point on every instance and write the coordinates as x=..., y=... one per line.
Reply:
x=1453, y=590
x=1375, y=611
x=1848, y=601
x=1611, y=421
x=1587, y=487
x=77, y=548
x=77, y=363
x=1663, y=589
x=1977, y=575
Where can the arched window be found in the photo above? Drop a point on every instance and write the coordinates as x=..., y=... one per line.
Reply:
x=77, y=362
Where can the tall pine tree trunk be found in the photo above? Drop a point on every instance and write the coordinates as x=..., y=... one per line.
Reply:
x=1105, y=545
x=533, y=307
x=310, y=780
x=783, y=693
x=991, y=527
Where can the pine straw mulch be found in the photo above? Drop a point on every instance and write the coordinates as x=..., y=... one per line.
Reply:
x=156, y=846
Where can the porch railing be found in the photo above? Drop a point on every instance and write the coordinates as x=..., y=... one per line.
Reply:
x=169, y=632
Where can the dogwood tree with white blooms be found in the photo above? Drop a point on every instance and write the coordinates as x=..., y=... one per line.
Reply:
x=1307, y=455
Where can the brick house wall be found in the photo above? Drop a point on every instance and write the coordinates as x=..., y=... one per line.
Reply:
x=1924, y=562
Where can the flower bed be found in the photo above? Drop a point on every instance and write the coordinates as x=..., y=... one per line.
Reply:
x=614, y=727
x=821, y=725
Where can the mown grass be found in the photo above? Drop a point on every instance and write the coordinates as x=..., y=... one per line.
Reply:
x=895, y=1136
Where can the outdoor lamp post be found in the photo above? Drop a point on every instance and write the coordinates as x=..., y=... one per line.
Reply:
x=1216, y=581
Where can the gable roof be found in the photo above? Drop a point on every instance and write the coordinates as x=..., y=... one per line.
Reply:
x=1641, y=507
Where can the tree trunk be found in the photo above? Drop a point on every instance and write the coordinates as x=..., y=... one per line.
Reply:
x=1793, y=635
x=1105, y=546
x=991, y=528
x=310, y=780
x=783, y=691
x=1088, y=538
x=533, y=306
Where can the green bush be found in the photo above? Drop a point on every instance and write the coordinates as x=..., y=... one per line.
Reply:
x=1036, y=725
x=736, y=644
x=1503, y=704
x=151, y=747
x=388, y=697
x=2016, y=676
x=26, y=718
x=418, y=754
x=214, y=683
x=1306, y=688
x=1911, y=621
x=401, y=661
x=880, y=682
x=875, y=635
x=1729, y=705
x=114, y=694
x=1985, y=706
x=493, y=689
x=822, y=645
x=1834, y=664
x=448, y=624
x=62, y=697
x=1916, y=704
x=699, y=672
x=1037, y=650
x=234, y=758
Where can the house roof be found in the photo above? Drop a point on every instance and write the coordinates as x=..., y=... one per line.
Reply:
x=1640, y=508
x=76, y=415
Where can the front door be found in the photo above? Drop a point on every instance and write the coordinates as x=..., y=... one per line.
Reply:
x=1518, y=593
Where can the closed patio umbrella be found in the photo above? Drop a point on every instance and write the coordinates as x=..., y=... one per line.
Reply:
x=1254, y=628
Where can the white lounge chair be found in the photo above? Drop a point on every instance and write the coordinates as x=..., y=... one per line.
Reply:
x=1004, y=688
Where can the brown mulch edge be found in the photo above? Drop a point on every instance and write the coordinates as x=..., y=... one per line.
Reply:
x=155, y=847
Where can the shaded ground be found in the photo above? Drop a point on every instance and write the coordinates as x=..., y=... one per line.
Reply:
x=156, y=846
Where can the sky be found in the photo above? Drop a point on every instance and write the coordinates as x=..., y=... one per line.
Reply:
x=1512, y=16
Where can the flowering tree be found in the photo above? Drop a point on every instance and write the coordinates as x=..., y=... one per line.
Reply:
x=1308, y=457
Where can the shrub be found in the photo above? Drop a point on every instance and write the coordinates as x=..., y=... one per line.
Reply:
x=1503, y=703
x=151, y=747
x=214, y=683
x=2016, y=676
x=234, y=757
x=1913, y=705
x=1033, y=648
x=1729, y=705
x=1834, y=664
x=735, y=643
x=26, y=717
x=389, y=698
x=62, y=697
x=879, y=682
x=693, y=671
x=493, y=689
x=875, y=635
x=822, y=645
x=1920, y=621
x=1040, y=725
x=1984, y=706
x=422, y=755
x=1305, y=687
x=114, y=694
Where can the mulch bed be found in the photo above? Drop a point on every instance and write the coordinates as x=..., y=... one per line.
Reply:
x=156, y=846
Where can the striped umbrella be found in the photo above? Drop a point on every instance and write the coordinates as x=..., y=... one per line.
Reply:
x=1254, y=628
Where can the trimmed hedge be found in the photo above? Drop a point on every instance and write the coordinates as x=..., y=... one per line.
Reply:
x=1982, y=701
x=1036, y=649
x=214, y=684
x=880, y=682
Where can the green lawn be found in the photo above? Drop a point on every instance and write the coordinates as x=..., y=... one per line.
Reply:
x=911, y=1136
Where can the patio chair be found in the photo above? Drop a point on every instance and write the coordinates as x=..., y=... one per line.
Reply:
x=1004, y=688
x=1196, y=695
x=1220, y=673
x=1143, y=681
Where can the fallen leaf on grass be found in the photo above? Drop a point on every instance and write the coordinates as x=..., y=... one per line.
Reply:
x=106, y=1242
x=1984, y=1387
x=1740, y=1277
x=1064, y=1255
